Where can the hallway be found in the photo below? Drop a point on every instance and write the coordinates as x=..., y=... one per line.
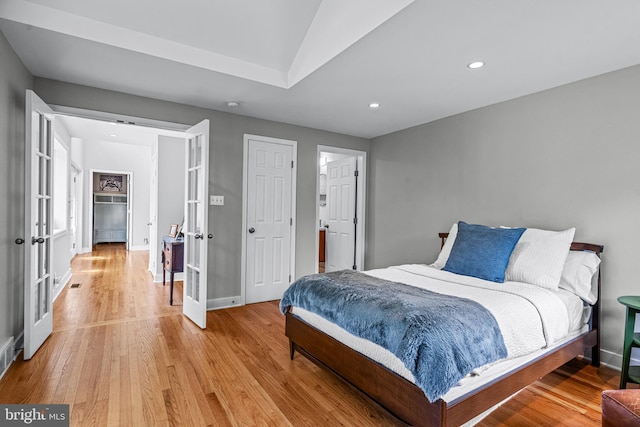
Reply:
x=115, y=286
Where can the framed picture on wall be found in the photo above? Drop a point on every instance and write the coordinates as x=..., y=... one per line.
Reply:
x=173, y=230
x=111, y=183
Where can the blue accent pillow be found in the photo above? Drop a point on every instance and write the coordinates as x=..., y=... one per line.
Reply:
x=481, y=251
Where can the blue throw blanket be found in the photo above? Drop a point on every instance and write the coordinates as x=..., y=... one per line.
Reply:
x=439, y=338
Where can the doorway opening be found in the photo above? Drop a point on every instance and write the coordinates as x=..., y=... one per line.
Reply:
x=340, y=209
x=123, y=151
x=39, y=151
x=111, y=211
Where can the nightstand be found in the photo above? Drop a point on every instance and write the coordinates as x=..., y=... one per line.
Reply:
x=172, y=260
x=631, y=340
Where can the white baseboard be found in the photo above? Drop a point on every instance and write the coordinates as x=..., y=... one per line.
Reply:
x=157, y=278
x=7, y=355
x=19, y=343
x=614, y=360
x=63, y=282
x=218, y=303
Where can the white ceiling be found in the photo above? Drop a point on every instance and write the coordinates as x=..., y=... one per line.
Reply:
x=319, y=63
x=98, y=131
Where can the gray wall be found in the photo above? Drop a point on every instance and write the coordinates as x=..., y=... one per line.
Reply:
x=226, y=145
x=14, y=80
x=170, y=189
x=560, y=158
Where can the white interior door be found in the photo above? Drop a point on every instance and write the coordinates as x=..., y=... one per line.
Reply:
x=38, y=314
x=269, y=218
x=195, y=225
x=341, y=204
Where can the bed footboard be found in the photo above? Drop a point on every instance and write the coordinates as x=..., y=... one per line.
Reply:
x=400, y=397
x=404, y=399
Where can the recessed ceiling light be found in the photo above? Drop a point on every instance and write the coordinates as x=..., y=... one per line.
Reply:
x=232, y=104
x=114, y=135
x=374, y=105
x=476, y=64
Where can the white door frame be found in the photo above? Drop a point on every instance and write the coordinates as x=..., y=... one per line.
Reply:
x=360, y=201
x=77, y=186
x=245, y=186
x=153, y=215
x=89, y=193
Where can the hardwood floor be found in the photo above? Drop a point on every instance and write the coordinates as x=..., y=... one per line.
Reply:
x=121, y=356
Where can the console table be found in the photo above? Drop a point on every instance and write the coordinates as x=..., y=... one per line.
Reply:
x=172, y=260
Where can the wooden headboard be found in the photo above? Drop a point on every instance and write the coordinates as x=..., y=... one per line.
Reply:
x=575, y=246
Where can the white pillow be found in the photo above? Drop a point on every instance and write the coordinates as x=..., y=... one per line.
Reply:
x=539, y=257
x=446, y=249
x=578, y=274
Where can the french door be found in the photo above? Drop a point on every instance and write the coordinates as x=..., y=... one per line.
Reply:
x=38, y=280
x=195, y=225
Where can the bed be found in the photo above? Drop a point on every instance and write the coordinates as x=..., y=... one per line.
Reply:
x=329, y=346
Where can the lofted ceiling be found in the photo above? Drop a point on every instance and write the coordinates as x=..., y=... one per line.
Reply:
x=320, y=63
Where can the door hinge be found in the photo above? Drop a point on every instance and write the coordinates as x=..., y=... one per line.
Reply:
x=355, y=220
x=355, y=173
x=355, y=267
x=289, y=278
x=290, y=221
x=291, y=164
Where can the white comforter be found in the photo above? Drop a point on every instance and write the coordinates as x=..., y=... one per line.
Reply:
x=530, y=317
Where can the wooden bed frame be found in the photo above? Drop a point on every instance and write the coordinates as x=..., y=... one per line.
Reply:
x=405, y=400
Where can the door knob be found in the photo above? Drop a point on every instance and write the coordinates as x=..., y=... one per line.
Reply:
x=19, y=241
x=35, y=240
x=199, y=236
x=210, y=236
x=252, y=230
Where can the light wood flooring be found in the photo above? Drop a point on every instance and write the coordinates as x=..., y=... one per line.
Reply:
x=121, y=356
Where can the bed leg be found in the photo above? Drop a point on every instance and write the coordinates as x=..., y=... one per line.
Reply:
x=595, y=355
x=292, y=349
